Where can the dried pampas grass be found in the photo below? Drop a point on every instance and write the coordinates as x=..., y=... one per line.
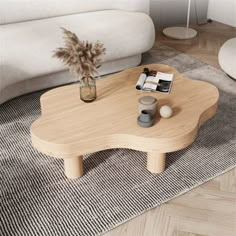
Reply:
x=82, y=57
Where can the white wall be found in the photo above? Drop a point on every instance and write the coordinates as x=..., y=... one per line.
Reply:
x=223, y=11
x=174, y=12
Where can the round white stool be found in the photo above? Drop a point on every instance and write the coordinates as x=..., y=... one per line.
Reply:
x=227, y=57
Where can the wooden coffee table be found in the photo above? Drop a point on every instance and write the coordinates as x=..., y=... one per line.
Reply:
x=70, y=128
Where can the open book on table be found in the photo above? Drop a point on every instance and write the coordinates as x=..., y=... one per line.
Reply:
x=155, y=81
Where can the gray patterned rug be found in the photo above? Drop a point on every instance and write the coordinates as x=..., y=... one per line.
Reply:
x=37, y=199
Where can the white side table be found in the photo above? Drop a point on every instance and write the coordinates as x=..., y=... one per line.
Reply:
x=227, y=57
x=181, y=32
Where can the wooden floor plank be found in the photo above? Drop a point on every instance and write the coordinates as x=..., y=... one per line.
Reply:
x=205, y=227
x=228, y=182
x=181, y=233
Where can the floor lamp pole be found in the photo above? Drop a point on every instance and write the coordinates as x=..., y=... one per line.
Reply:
x=188, y=15
x=181, y=32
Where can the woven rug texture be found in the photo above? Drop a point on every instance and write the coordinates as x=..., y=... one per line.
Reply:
x=37, y=199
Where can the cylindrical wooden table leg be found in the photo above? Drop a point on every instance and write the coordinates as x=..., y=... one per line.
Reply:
x=73, y=167
x=156, y=162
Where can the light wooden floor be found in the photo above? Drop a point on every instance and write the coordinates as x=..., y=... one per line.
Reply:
x=206, y=45
x=208, y=210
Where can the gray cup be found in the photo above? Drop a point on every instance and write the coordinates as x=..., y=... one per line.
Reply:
x=146, y=116
x=145, y=120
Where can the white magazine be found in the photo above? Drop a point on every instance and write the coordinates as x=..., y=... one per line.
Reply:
x=161, y=82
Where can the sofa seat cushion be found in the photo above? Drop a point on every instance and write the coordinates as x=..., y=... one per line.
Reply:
x=26, y=48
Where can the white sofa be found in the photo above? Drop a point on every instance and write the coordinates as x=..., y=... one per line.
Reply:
x=30, y=31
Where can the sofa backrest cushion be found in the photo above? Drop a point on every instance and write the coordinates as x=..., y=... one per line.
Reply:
x=13, y=11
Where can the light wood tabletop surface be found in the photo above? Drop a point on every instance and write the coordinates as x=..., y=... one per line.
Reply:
x=70, y=128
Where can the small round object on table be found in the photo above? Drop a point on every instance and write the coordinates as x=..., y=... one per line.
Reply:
x=166, y=111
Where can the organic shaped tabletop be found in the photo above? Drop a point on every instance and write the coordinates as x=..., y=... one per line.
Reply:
x=69, y=128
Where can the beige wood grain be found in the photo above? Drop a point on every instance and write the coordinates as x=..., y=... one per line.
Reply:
x=182, y=233
x=68, y=127
x=73, y=167
x=156, y=162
